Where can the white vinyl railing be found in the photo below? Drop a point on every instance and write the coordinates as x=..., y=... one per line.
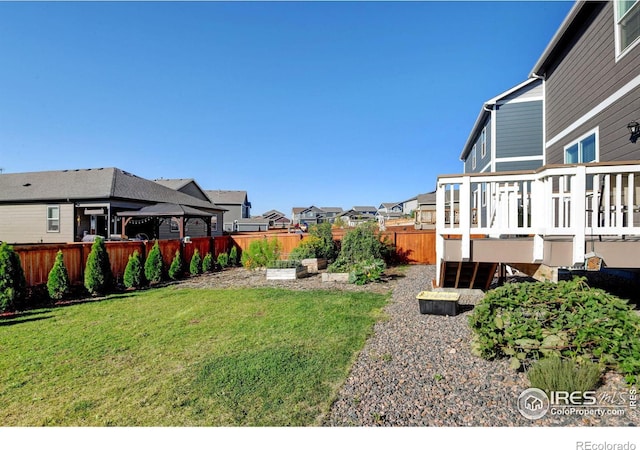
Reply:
x=577, y=201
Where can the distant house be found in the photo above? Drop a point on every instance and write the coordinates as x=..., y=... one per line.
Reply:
x=409, y=206
x=252, y=224
x=425, y=213
x=310, y=215
x=64, y=206
x=276, y=219
x=390, y=210
x=358, y=215
x=508, y=133
x=237, y=205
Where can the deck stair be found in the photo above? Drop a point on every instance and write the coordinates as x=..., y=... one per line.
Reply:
x=467, y=275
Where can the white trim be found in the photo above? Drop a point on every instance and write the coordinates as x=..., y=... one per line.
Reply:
x=520, y=158
x=486, y=168
x=51, y=220
x=474, y=157
x=616, y=31
x=483, y=143
x=626, y=89
x=493, y=140
x=537, y=98
x=596, y=132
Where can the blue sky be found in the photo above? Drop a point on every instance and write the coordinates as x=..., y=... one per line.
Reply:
x=298, y=103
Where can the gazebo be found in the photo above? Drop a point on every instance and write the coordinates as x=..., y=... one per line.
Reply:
x=179, y=214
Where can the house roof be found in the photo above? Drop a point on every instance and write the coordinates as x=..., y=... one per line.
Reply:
x=485, y=112
x=221, y=197
x=166, y=209
x=427, y=199
x=331, y=209
x=90, y=184
x=365, y=208
x=175, y=183
x=389, y=205
x=575, y=19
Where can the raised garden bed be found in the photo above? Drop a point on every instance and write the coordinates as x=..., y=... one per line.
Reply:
x=338, y=277
x=286, y=270
x=314, y=265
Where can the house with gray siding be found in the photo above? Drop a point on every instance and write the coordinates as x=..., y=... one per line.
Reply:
x=237, y=205
x=580, y=209
x=65, y=205
x=508, y=133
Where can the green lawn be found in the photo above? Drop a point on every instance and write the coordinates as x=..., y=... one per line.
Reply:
x=178, y=357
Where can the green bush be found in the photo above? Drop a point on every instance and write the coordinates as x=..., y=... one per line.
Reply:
x=529, y=321
x=308, y=248
x=58, y=279
x=223, y=260
x=207, y=263
x=134, y=273
x=153, y=266
x=195, y=267
x=367, y=271
x=176, y=268
x=326, y=248
x=13, y=286
x=233, y=256
x=261, y=253
x=97, y=273
x=556, y=374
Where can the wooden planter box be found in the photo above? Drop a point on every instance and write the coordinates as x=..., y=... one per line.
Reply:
x=438, y=303
x=286, y=274
x=314, y=265
x=339, y=277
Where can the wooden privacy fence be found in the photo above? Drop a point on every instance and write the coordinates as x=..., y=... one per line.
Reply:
x=413, y=247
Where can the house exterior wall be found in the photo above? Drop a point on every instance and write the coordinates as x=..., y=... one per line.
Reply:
x=507, y=166
x=194, y=227
x=31, y=227
x=519, y=130
x=587, y=89
x=481, y=162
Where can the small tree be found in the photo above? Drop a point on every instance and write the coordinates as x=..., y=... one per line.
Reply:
x=13, y=287
x=97, y=274
x=223, y=260
x=261, y=253
x=153, y=266
x=133, y=273
x=326, y=248
x=195, y=267
x=233, y=256
x=58, y=280
x=176, y=269
x=207, y=263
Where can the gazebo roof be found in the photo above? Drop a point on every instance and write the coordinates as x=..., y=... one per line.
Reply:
x=166, y=210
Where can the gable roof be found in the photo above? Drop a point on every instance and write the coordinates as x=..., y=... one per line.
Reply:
x=221, y=197
x=90, y=184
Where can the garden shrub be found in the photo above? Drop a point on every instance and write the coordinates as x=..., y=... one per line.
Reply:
x=195, y=267
x=58, y=280
x=134, y=273
x=367, y=271
x=223, y=260
x=309, y=247
x=556, y=374
x=233, y=256
x=97, y=273
x=153, y=266
x=529, y=321
x=326, y=248
x=13, y=286
x=176, y=268
x=207, y=263
x=261, y=253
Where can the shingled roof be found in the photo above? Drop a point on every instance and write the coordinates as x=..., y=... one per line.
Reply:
x=221, y=197
x=90, y=184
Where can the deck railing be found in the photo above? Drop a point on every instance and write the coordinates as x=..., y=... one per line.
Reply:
x=573, y=201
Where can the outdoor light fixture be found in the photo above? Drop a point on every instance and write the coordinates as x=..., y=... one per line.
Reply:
x=634, y=131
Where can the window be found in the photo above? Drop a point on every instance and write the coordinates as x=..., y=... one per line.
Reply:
x=174, y=226
x=473, y=158
x=53, y=219
x=627, y=24
x=483, y=143
x=584, y=150
x=214, y=223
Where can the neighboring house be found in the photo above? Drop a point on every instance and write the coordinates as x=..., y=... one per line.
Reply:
x=410, y=206
x=358, y=215
x=508, y=132
x=329, y=213
x=390, y=210
x=64, y=206
x=237, y=205
x=580, y=209
x=425, y=216
x=310, y=216
x=252, y=224
x=276, y=219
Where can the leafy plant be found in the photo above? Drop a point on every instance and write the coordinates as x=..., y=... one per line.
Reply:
x=284, y=264
x=133, y=272
x=261, y=253
x=556, y=374
x=326, y=247
x=207, y=263
x=13, y=286
x=233, y=256
x=97, y=274
x=58, y=279
x=195, y=267
x=153, y=266
x=176, y=268
x=307, y=248
x=367, y=271
x=529, y=321
x=223, y=260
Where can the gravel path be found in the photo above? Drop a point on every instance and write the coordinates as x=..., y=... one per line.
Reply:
x=417, y=370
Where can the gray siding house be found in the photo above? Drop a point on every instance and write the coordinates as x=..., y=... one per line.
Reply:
x=237, y=205
x=508, y=132
x=64, y=206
